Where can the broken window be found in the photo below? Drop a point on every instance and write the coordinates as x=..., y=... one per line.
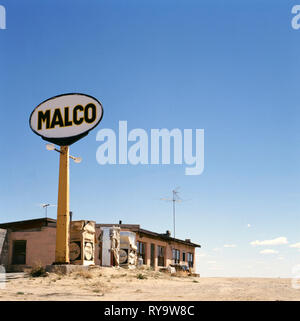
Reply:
x=190, y=257
x=141, y=251
x=19, y=252
x=176, y=256
x=160, y=256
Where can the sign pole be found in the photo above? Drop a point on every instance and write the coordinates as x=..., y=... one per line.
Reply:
x=62, y=224
x=63, y=120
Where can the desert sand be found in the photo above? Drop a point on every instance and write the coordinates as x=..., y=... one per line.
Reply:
x=111, y=284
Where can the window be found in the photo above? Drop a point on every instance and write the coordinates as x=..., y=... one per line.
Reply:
x=19, y=252
x=176, y=256
x=190, y=258
x=141, y=251
x=160, y=256
x=183, y=256
x=152, y=253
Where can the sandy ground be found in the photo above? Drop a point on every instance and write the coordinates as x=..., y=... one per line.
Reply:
x=111, y=284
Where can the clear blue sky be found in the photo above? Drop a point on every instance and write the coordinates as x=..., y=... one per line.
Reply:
x=228, y=67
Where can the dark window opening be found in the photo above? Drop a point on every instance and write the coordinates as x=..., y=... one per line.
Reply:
x=190, y=259
x=176, y=256
x=152, y=255
x=19, y=252
x=141, y=251
x=183, y=256
x=160, y=256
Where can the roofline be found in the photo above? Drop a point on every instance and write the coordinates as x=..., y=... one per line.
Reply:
x=32, y=220
x=133, y=227
x=130, y=226
x=167, y=238
x=136, y=228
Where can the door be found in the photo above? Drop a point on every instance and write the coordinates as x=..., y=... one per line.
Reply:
x=19, y=252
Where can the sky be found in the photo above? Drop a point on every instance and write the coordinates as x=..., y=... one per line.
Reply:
x=228, y=67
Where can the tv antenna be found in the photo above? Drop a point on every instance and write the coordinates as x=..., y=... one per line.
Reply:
x=174, y=199
x=45, y=206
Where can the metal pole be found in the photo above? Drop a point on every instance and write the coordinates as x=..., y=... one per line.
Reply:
x=63, y=222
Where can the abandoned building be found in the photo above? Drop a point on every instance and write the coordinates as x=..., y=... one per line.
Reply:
x=26, y=243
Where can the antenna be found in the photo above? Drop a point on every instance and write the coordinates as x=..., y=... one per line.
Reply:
x=174, y=199
x=45, y=206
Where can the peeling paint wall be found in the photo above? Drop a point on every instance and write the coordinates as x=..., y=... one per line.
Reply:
x=82, y=242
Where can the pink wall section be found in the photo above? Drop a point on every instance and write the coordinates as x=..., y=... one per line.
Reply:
x=40, y=247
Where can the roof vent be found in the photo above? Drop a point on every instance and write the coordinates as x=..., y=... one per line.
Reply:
x=188, y=240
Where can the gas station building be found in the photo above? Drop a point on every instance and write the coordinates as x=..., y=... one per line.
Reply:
x=24, y=244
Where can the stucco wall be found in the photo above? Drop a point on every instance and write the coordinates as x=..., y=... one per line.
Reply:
x=168, y=250
x=40, y=245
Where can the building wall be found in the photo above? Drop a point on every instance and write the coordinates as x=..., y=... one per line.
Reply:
x=148, y=241
x=168, y=251
x=157, y=242
x=40, y=246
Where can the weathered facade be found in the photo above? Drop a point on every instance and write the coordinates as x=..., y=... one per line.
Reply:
x=82, y=242
x=26, y=243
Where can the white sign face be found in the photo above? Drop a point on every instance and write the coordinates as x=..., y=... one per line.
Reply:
x=66, y=118
x=88, y=251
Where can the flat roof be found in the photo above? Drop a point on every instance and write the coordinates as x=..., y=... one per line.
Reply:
x=167, y=237
x=28, y=224
x=45, y=221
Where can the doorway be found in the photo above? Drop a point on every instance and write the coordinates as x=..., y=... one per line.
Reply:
x=19, y=252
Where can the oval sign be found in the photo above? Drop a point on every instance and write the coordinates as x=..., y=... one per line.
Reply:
x=66, y=118
x=74, y=251
x=122, y=256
